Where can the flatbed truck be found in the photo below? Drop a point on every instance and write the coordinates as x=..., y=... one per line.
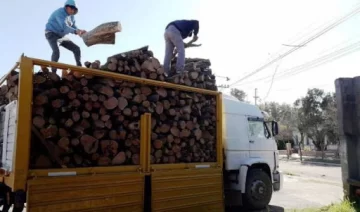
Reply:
x=246, y=171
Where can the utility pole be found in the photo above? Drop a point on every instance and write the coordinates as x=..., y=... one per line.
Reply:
x=256, y=96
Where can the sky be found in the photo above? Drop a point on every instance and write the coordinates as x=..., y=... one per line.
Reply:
x=237, y=36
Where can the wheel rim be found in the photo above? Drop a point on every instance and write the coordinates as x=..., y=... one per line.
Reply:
x=258, y=190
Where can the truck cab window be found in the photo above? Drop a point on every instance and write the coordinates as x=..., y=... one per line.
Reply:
x=257, y=129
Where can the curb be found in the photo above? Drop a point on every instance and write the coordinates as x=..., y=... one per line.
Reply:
x=320, y=163
x=309, y=162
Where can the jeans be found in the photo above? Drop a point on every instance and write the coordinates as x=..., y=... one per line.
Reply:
x=173, y=39
x=53, y=39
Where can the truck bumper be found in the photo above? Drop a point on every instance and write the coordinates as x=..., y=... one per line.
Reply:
x=278, y=180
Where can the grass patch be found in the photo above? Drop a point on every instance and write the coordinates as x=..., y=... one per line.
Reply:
x=345, y=206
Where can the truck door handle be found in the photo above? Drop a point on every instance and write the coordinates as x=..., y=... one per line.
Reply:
x=251, y=141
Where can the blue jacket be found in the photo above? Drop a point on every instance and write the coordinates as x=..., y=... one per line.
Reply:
x=60, y=22
x=186, y=27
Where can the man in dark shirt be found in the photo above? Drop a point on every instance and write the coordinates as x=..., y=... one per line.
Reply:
x=175, y=32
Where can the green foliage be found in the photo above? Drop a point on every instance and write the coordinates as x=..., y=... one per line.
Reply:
x=313, y=115
x=345, y=206
x=281, y=144
x=316, y=117
x=239, y=94
x=284, y=115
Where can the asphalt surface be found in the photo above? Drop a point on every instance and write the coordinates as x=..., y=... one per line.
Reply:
x=308, y=185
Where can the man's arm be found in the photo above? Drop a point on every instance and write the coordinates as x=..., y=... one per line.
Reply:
x=196, y=27
x=78, y=31
x=74, y=25
x=196, y=31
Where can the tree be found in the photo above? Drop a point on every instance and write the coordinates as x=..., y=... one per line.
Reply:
x=239, y=94
x=283, y=114
x=313, y=110
x=331, y=122
x=300, y=124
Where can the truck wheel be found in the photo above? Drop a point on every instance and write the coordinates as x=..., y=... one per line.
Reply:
x=18, y=208
x=19, y=200
x=258, y=189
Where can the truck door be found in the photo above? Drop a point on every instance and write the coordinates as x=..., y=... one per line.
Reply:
x=236, y=143
x=260, y=145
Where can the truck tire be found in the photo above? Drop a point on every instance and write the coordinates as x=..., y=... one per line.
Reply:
x=19, y=200
x=258, y=190
x=18, y=208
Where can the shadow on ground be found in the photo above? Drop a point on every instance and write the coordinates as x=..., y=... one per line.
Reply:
x=270, y=208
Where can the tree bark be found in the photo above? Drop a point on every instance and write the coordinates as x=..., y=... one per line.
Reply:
x=301, y=143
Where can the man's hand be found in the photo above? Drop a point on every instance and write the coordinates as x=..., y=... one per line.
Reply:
x=195, y=38
x=80, y=32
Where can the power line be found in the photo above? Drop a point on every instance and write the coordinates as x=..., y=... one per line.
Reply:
x=300, y=88
x=328, y=28
x=272, y=82
x=299, y=35
x=322, y=60
x=290, y=42
x=325, y=61
x=295, y=39
x=309, y=63
x=314, y=63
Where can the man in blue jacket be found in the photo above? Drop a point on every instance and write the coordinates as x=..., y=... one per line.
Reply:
x=61, y=23
x=175, y=32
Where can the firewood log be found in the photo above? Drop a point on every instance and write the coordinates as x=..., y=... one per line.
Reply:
x=102, y=34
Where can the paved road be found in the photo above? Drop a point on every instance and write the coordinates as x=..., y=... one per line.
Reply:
x=308, y=186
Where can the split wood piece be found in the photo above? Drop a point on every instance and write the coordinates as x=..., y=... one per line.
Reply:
x=102, y=34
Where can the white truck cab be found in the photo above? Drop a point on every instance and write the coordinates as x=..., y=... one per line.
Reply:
x=251, y=162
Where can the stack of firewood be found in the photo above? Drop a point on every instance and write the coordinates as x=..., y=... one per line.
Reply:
x=83, y=121
x=141, y=63
x=198, y=74
x=9, y=91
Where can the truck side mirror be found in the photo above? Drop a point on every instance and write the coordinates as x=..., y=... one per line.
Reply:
x=274, y=128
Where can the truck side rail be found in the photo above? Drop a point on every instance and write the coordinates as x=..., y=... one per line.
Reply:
x=3, y=171
x=16, y=66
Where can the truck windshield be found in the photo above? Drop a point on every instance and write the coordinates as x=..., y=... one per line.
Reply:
x=258, y=129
